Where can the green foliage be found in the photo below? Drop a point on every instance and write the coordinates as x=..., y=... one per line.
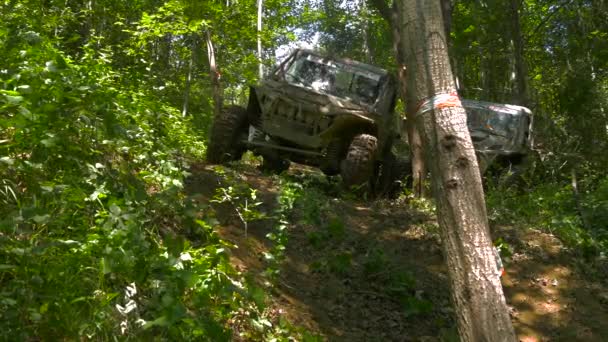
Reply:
x=290, y=193
x=99, y=239
x=375, y=262
x=91, y=175
x=553, y=207
x=241, y=197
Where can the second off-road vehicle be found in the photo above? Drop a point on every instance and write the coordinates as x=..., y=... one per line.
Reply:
x=339, y=115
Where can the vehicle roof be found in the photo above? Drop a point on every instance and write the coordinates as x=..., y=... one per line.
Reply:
x=496, y=107
x=347, y=61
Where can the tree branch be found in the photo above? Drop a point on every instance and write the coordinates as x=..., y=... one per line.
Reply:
x=546, y=19
x=383, y=8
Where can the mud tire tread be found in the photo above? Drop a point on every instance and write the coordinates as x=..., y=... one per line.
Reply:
x=358, y=167
x=227, y=128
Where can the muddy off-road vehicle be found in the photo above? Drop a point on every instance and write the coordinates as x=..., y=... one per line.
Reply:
x=339, y=115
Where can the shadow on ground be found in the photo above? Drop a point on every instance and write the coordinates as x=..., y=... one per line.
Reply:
x=373, y=271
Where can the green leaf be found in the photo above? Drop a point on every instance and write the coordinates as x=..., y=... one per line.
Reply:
x=103, y=266
x=26, y=113
x=41, y=219
x=7, y=160
x=50, y=66
x=48, y=142
x=162, y=321
x=8, y=301
x=114, y=209
x=69, y=242
x=12, y=99
x=24, y=89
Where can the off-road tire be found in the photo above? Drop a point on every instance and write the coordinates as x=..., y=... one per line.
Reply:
x=228, y=128
x=275, y=165
x=394, y=176
x=330, y=165
x=358, y=167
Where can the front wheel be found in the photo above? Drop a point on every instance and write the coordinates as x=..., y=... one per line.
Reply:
x=228, y=129
x=358, y=167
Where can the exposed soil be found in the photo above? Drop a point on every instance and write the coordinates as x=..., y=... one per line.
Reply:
x=374, y=271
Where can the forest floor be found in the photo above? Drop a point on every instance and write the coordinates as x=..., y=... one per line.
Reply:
x=373, y=270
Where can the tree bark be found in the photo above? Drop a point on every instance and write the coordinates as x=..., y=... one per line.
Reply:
x=521, y=84
x=187, y=87
x=419, y=167
x=390, y=14
x=481, y=310
x=215, y=77
x=447, y=7
x=261, y=64
x=363, y=12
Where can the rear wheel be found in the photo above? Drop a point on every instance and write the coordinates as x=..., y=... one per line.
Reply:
x=330, y=165
x=393, y=176
x=273, y=165
x=228, y=129
x=358, y=167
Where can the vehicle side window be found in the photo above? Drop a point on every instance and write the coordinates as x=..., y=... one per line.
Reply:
x=366, y=88
x=343, y=83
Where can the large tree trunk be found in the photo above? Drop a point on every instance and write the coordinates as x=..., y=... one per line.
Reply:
x=419, y=167
x=413, y=135
x=447, y=7
x=415, y=141
x=215, y=77
x=481, y=310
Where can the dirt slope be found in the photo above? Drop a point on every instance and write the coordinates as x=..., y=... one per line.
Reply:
x=373, y=271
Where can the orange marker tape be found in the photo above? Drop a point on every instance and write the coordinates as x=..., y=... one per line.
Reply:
x=439, y=101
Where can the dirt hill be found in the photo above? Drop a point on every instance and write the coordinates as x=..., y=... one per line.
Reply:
x=355, y=270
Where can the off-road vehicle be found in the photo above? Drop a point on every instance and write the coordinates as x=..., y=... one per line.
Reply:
x=500, y=134
x=339, y=115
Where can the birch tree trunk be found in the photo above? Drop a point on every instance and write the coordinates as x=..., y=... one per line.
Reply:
x=215, y=77
x=260, y=14
x=481, y=310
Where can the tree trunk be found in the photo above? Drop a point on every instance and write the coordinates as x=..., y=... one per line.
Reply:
x=187, y=87
x=521, y=88
x=260, y=14
x=416, y=143
x=447, y=7
x=481, y=310
x=215, y=77
x=363, y=12
x=419, y=168
x=414, y=139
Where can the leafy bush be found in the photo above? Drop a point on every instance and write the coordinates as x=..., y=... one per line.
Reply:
x=93, y=214
x=553, y=207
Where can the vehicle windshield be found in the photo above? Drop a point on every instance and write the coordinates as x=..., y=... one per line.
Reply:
x=501, y=124
x=334, y=78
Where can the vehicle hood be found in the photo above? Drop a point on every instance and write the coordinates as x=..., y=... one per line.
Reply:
x=310, y=99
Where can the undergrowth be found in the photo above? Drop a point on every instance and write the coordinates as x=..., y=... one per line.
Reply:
x=582, y=224
x=98, y=238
